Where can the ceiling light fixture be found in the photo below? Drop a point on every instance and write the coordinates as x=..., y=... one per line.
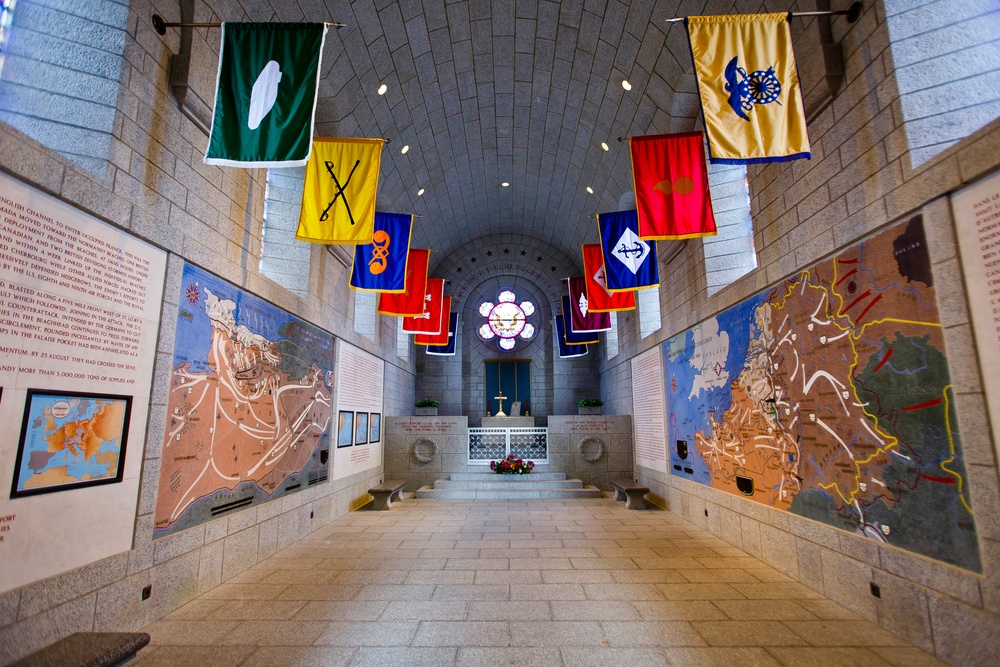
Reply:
x=420, y=192
x=590, y=189
x=405, y=149
x=382, y=89
x=505, y=184
x=626, y=85
x=605, y=146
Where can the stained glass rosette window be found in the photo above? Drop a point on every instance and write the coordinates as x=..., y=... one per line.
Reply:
x=506, y=320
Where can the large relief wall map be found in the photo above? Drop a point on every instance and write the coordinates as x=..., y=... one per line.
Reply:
x=829, y=396
x=250, y=405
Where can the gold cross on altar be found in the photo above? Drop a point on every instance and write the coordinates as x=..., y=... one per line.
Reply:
x=500, y=398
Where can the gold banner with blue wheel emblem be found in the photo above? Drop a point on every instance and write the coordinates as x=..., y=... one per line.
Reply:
x=338, y=198
x=749, y=88
x=380, y=266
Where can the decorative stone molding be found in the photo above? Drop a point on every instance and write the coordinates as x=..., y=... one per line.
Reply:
x=424, y=450
x=591, y=449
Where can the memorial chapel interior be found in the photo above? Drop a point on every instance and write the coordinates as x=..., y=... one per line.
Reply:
x=807, y=400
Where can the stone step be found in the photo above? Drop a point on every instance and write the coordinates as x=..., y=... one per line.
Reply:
x=499, y=483
x=488, y=475
x=429, y=492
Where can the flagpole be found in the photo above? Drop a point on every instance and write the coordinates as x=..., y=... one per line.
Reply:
x=853, y=13
x=160, y=26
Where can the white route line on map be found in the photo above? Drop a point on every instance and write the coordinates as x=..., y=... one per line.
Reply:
x=835, y=436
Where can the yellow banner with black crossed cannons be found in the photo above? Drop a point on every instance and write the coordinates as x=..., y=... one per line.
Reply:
x=338, y=198
x=749, y=88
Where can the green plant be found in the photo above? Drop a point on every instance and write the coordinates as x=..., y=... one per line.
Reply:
x=589, y=403
x=428, y=403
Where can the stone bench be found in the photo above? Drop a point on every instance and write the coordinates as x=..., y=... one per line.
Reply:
x=631, y=492
x=385, y=493
x=88, y=649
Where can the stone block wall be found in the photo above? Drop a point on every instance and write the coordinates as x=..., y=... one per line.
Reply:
x=448, y=453
x=592, y=448
x=156, y=187
x=859, y=180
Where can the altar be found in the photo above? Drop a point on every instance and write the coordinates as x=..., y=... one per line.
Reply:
x=508, y=422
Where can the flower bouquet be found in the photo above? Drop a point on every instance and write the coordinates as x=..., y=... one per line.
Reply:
x=511, y=466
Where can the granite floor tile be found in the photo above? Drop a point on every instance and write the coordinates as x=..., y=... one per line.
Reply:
x=514, y=610
x=741, y=633
x=192, y=656
x=509, y=657
x=409, y=657
x=593, y=610
x=367, y=633
x=810, y=656
x=556, y=633
x=547, y=582
x=467, y=633
x=651, y=633
x=844, y=633
x=274, y=633
x=765, y=610
x=338, y=610
x=300, y=656
x=603, y=656
x=721, y=657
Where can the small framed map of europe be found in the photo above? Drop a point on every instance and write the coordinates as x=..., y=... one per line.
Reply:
x=69, y=441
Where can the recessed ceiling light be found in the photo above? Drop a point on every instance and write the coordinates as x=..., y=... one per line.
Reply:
x=626, y=85
x=405, y=149
x=382, y=89
x=590, y=189
x=420, y=192
x=505, y=184
x=605, y=146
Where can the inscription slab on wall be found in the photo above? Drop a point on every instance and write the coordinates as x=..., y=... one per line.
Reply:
x=648, y=408
x=360, y=381
x=829, y=396
x=977, y=219
x=79, y=315
x=249, y=413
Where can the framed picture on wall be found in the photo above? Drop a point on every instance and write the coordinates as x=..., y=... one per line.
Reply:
x=361, y=429
x=375, y=427
x=345, y=429
x=70, y=440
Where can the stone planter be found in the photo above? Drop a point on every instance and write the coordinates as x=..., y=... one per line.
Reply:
x=427, y=412
x=592, y=410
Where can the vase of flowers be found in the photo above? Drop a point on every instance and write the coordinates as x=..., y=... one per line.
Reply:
x=426, y=407
x=512, y=466
x=589, y=406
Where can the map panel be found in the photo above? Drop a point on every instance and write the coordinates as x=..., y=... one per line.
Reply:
x=250, y=405
x=70, y=441
x=829, y=396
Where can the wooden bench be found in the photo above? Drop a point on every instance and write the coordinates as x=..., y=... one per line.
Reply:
x=385, y=493
x=88, y=649
x=631, y=492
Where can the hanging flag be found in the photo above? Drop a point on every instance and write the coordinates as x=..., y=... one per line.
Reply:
x=599, y=300
x=629, y=262
x=432, y=319
x=671, y=186
x=567, y=351
x=265, y=94
x=583, y=319
x=444, y=322
x=338, y=198
x=449, y=349
x=575, y=337
x=380, y=266
x=749, y=88
x=411, y=302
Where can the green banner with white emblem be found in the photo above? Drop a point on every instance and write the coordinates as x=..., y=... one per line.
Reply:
x=265, y=98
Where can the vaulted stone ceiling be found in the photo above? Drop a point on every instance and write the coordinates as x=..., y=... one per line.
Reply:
x=522, y=91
